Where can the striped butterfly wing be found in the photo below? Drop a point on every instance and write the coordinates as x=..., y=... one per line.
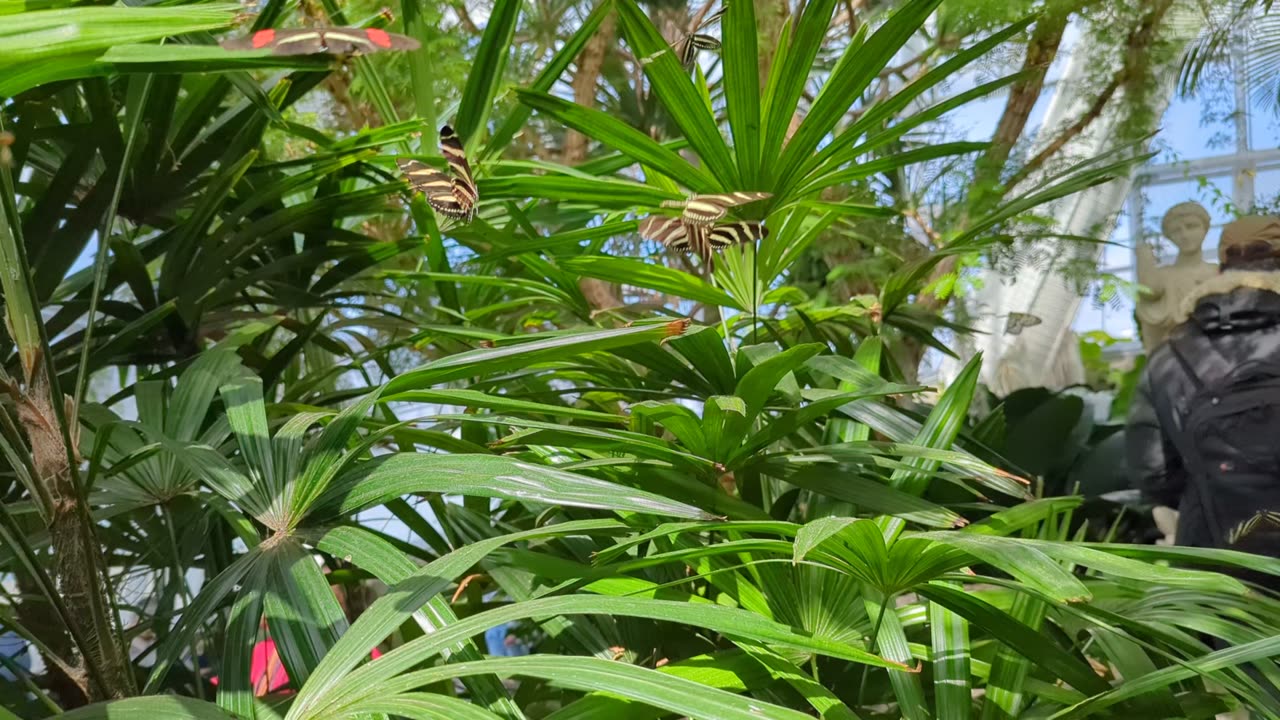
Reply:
x=691, y=44
x=688, y=47
x=704, y=42
x=435, y=185
x=463, y=183
x=706, y=210
x=669, y=231
x=675, y=234
x=721, y=236
x=687, y=52
x=700, y=245
x=726, y=234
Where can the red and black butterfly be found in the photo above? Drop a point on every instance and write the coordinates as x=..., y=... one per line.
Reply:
x=452, y=196
x=334, y=41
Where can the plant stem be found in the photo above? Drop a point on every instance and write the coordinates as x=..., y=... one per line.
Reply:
x=875, y=642
x=181, y=579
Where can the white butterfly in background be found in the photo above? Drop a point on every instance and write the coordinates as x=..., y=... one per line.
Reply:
x=1017, y=322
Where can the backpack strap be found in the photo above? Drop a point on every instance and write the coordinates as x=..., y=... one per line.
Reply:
x=1214, y=367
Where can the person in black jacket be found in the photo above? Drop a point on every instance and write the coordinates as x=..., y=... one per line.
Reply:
x=1203, y=433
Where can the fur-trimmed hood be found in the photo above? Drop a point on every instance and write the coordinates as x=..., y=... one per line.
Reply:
x=1227, y=281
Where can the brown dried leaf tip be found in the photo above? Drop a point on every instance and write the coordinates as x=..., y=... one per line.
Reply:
x=1011, y=476
x=676, y=328
x=463, y=586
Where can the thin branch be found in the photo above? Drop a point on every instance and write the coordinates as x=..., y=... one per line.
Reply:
x=1042, y=48
x=1069, y=133
x=1134, y=69
x=464, y=18
x=696, y=21
x=590, y=63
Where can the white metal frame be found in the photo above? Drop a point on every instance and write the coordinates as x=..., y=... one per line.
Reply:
x=1242, y=166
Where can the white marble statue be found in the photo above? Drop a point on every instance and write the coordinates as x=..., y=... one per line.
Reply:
x=1158, y=308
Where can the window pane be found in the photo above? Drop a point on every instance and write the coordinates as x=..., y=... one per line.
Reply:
x=1199, y=126
x=1117, y=318
x=1112, y=314
x=1266, y=191
x=1089, y=316
x=1264, y=126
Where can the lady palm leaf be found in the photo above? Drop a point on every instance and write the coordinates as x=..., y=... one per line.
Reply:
x=700, y=525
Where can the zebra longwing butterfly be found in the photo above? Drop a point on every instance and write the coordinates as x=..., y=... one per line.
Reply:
x=452, y=196
x=334, y=40
x=674, y=234
x=706, y=210
x=691, y=44
x=1239, y=532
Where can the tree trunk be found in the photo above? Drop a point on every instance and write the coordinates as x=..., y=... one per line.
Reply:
x=599, y=294
x=1042, y=48
x=69, y=685
x=76, y=550
x=771, y=16
x=584, y=85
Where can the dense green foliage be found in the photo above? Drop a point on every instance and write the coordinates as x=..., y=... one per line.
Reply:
x=720, y=497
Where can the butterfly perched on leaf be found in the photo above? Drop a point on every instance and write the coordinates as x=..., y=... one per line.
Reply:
x=675, y=236
x=453, y=195
x=706, y=210
x=699, y=230
x=332, y=40
x=1018, y=321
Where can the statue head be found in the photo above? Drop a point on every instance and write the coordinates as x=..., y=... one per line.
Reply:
x=1186, y=224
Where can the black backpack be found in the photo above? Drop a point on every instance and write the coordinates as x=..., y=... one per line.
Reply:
x=1228, y=435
